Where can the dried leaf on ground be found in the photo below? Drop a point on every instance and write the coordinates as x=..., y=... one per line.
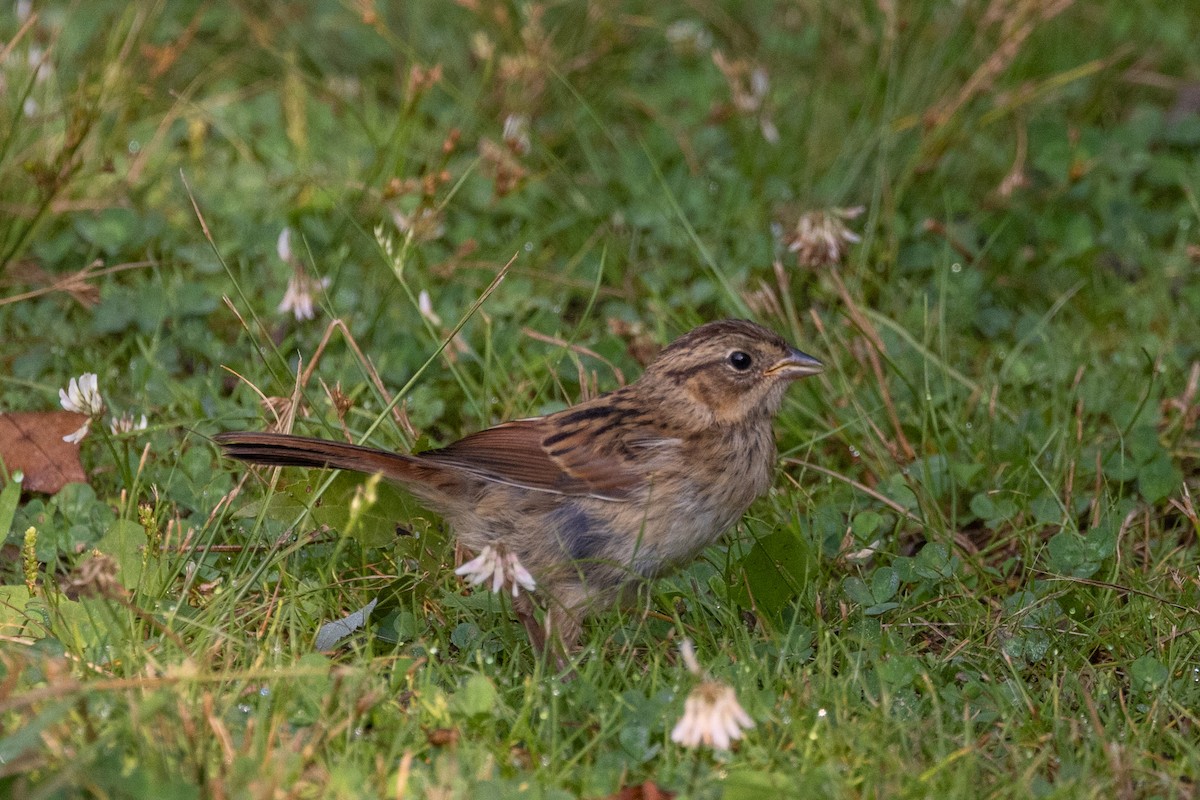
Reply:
x=32, y=442
x=645, y=791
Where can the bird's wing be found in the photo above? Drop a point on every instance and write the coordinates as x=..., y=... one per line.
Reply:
x=544, y=455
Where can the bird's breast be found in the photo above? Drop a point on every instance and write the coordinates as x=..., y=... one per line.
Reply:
x=685, y=511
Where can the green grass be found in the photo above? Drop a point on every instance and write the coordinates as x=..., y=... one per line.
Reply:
x=1008, y=418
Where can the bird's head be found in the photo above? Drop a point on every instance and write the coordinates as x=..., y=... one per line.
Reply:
x=728, y=371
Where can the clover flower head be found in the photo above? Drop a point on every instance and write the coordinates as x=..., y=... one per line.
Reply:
x=298, y=297
x=712, y=715
x=820, y=237
x=82, y=396
x=499, y=566
x=126, y=424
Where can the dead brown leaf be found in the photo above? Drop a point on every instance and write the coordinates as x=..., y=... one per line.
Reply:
x=32, y=441
x=646, y=791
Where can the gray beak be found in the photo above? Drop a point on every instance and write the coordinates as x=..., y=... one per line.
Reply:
x=795, y=365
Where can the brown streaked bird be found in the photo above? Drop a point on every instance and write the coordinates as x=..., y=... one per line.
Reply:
x=576, y=505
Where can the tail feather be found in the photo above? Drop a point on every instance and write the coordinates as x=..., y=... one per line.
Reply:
x=286, y=450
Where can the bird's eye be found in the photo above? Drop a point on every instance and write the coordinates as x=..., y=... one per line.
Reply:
x=739, y=360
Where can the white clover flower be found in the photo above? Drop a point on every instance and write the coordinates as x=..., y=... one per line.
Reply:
x=865, y=553
x=283, y=245
x=712, y=717
x=126, y=424
x=77, y=436
x=82, y=396
x=760, y=84
x=500, y=567
x=749, y=86
x=301, y=287
x=298, y=298
x=688, y=37
x=425, y=306
x=516, y=133
x=425, y=224
x=820, y=237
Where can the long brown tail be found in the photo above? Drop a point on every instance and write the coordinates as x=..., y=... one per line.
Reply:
x=285, y=450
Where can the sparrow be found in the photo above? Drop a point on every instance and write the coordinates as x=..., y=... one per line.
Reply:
x=569, y=509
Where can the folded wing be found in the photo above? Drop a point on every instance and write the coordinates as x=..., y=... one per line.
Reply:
x=541, y=455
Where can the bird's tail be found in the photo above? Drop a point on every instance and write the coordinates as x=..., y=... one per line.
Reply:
x=286, y=450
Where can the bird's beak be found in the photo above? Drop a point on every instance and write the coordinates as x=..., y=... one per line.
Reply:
x=795, y=365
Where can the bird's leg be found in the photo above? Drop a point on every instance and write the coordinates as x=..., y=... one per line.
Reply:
x=525, y=612
x=564, y=624
x=555, y=639
x=562, y=638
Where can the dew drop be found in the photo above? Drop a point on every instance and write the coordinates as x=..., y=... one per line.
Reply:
x=956, y=267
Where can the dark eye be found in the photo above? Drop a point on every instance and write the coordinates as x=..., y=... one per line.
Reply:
x=739, y=360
